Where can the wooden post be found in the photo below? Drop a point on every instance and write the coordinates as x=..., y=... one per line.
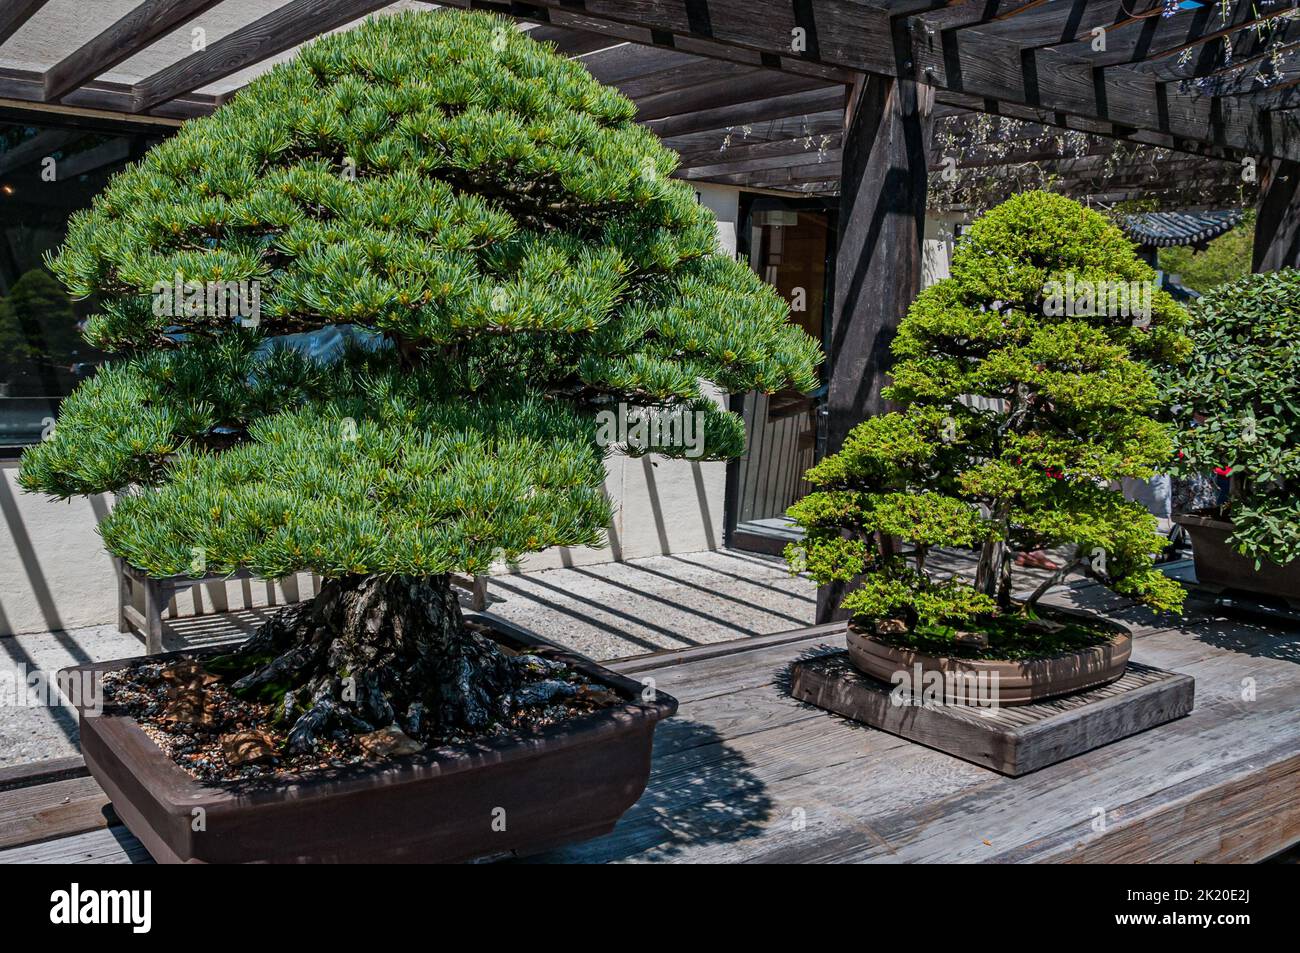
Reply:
x=154, y=603
x=878, y=260
x=1277, y=221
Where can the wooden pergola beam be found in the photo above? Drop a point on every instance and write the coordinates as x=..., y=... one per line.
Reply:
x=129, y=35
x=992, y=67
x=726, y=93
x=280, y=30
x=763, y=110
x=571, y=42
x=796, y=162
x=1050, y=24
x=1148, y=39
x=1277, y=218
x=794, y=146
x=109, y=98
x=14, y=13
x=707, y=144
x=841, y=30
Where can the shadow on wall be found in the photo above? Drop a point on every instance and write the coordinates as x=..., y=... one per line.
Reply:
x=661, y=507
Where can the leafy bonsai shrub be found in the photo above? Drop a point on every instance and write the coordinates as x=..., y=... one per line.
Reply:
x=1238, y=408
x=510, y=258
x=1024, y=385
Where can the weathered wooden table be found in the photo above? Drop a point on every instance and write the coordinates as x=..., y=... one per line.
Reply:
x=746, y=773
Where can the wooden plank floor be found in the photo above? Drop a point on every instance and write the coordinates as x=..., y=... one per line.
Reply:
x=746, y=773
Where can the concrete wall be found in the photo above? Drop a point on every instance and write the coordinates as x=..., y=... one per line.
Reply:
x=55, y=574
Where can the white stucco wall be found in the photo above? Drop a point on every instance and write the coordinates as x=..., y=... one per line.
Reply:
x=55, y=574
x=936, y=247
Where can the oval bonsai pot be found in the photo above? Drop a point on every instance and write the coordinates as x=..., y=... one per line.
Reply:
x=1019, y=682
x=1220, y=566
x=514, y=794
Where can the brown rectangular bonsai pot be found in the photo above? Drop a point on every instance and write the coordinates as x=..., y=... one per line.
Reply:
x=518, y=793
x=1219, y=566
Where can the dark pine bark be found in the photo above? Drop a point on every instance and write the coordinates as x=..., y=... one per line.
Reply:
x=374, y=651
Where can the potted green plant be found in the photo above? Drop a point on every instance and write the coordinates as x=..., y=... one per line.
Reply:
x=1025, y=385
x=503, y=246
x=1238, y=409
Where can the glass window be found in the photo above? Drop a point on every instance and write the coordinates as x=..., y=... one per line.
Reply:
x=46, y=174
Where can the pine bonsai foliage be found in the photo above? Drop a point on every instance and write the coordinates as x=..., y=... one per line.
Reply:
x=1070, y=404
x=1238, y=407
x=505, y=243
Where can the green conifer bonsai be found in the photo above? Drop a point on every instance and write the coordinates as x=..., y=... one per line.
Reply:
x=1030, y=324
x=505, y=248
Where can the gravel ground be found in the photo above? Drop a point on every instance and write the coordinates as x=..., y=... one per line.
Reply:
x=663, y=602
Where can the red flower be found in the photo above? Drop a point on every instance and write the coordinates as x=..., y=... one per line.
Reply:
x=1223, y=471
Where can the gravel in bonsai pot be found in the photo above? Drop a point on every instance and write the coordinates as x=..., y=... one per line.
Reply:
x=1237, y=405
x=1032, y=325
x=500, y=248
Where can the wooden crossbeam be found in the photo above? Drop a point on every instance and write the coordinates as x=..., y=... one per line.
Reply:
x=743, y=152
x=697, y=73
x=857, y=34
x=280, y=30
x=947, y=98
x=971, y=61
x=1150, y=38
x=1066, y=20
x=705, y=146
x=726, y=93
x=625, y=61
x=822, y=160
x=29, y=86
x=763, y=110
x=571, y=42
x=128, y=36
x=14, y=13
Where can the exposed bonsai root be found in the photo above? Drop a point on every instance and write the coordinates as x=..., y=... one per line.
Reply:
x=374, y=651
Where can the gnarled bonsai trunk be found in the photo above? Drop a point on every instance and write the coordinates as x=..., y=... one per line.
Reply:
x=373, y=651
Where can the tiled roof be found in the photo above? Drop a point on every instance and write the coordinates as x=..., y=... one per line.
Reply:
x=1164, y=229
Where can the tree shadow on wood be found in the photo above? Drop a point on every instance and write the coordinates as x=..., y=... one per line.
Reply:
x=1252, y=636
x=701, y=791
x=783, y=680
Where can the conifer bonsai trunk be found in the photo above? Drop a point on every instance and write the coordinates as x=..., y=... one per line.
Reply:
x=371, y=651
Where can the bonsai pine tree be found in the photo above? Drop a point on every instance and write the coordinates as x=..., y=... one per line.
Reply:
x=1025, y=384
x=1237, y=405
x=504, y=247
